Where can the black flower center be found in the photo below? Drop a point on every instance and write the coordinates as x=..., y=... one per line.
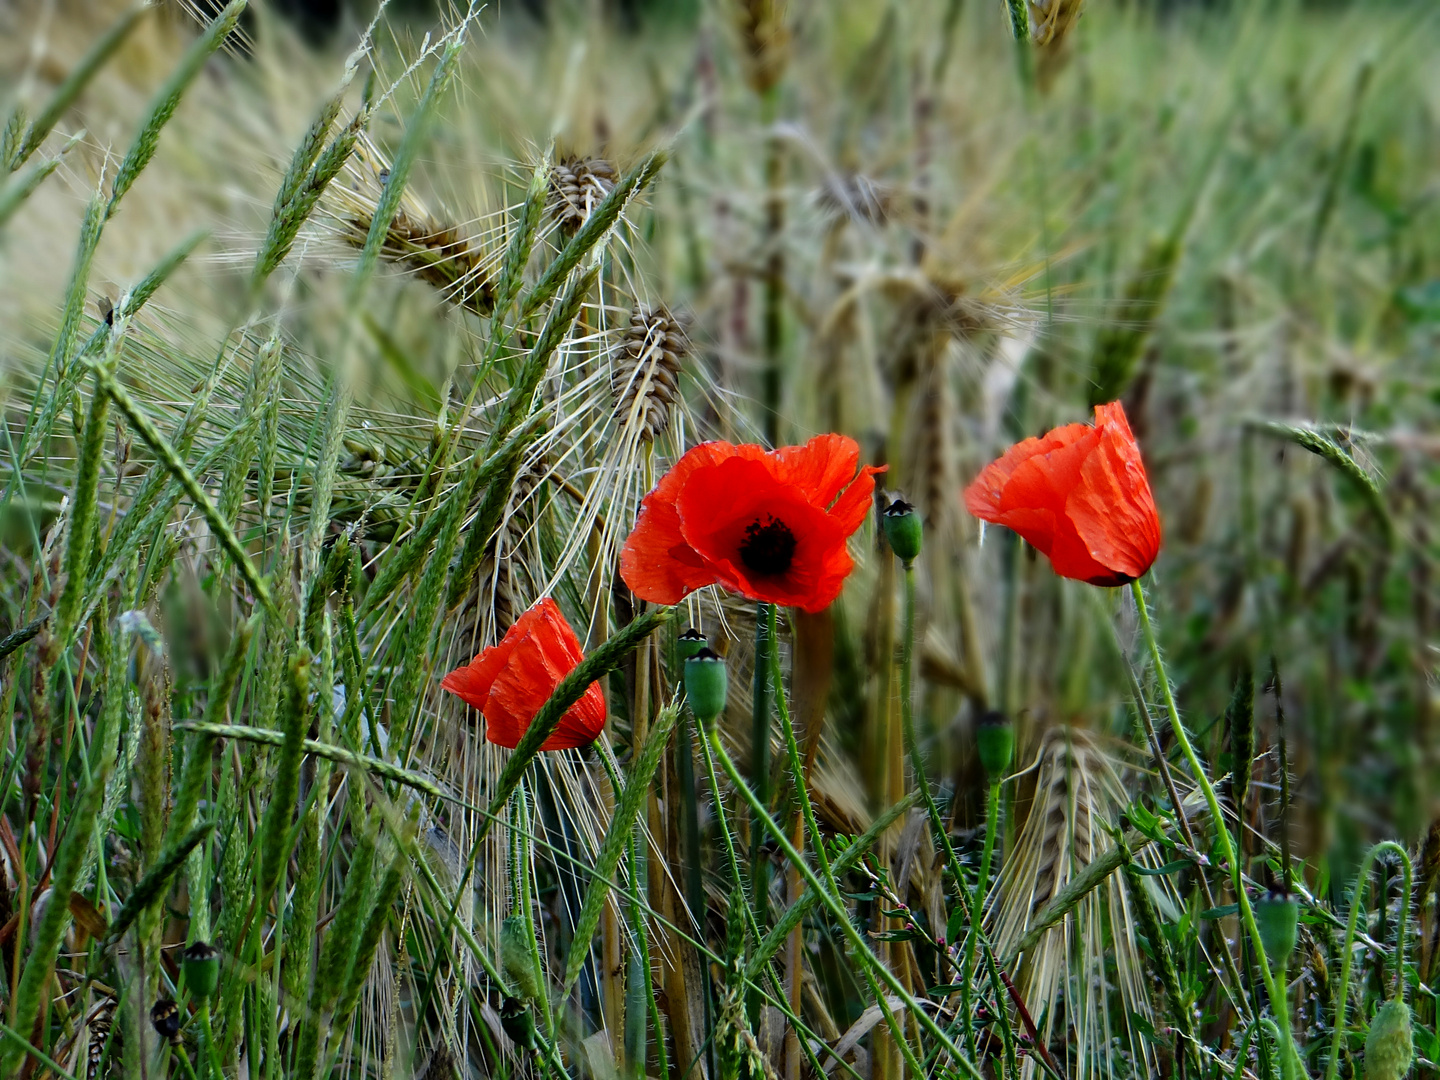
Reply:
x=768, y=547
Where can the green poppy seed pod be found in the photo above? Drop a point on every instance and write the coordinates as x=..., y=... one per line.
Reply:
x=689, y=643
x=1276, y=917
x=202, y=969
x=1389, y=1048
x=705, y=684
x=516, y=958
x=995, y=740
x=165, y=1017
x=902, y=530
x=518, y=1023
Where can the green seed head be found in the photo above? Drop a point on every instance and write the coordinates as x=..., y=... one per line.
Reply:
x=902, y=530
x=166, y=1019
x=1389, y=1048
x=705, y=684
x=1276, y=916
x=995, y=740
x=689, y=643
x=518, y=1023
x=202, y=969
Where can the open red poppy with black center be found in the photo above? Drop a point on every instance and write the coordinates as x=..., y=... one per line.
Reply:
x=509, y=682
x=1080, y=496
x=770, y=526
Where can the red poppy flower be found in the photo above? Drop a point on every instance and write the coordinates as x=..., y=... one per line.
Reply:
x=1079, y=495
x=770, y=526
x=509, y=682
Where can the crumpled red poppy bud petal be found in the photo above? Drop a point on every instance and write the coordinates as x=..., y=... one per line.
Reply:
x=1079, y=495
x=510, y=681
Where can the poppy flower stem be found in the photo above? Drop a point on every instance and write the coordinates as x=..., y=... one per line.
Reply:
x=828, y=893
x=1357, y=893
x=760, y=750
x=922, y=781
x=817, y=841
x=1290, y=1065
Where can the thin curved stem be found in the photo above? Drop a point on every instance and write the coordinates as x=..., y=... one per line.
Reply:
x=1342, y=992
x=937, y=824
x=840, y=915
x=817, y=841
x=777, y=997
x=1274, y=988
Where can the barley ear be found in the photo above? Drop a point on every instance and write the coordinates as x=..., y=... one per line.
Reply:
x=65, y=94
x=602, y=219
x=517, y=404
x=275, y=826
x=1338, y=456
x=165, y=102
x=622, y=823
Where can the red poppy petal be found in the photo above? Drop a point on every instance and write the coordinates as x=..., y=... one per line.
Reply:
x=582, y=723
x=854, y=502
x=1112, y=508
x=524, y=686
x=502, y=729
x=553, y=631
x=472, y=682
x=720, y=504
x=983, y=496
x=656, y=562
x=820, y=469
x=1041, y=481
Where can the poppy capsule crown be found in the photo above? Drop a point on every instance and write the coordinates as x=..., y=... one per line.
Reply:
x=770, y=526
x=509, y=682
x=1080, y=496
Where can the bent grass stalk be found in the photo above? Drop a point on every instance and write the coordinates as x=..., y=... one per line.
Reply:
x=1342, y=989
x=1291, y=1065
x=817, y=840
x=837, y=911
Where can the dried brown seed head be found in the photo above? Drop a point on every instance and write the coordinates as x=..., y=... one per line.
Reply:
x=577, y=186
x=645, y=376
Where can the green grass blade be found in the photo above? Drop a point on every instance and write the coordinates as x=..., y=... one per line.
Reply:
x=66, y=93
x=150, y=888
x=50, y=930
x=167, y=454
x=165, y=102
x=622, y=823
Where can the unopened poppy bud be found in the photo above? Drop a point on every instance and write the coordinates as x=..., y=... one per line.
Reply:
x=706, y=684
x=689, y=643
x=902, y=530
x=202, y=969
x=995, y=741
x=516, y=958
x=1276, y=917
x=1390, y=1046
x=165, y=1017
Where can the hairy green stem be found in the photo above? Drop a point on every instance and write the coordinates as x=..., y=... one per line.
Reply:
x=1291, y=1066
x=1342, y=990
x=838, y=912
